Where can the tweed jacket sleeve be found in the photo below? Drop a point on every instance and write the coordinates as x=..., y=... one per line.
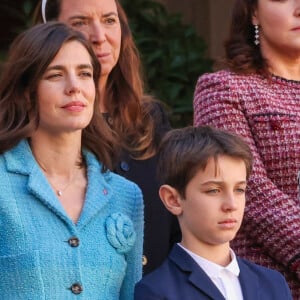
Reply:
x=272, y=215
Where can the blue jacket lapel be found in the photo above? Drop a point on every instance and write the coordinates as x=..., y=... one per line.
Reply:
x=99, y=191
x=197, y=276
x=21, y=161
x=40, y=187
x=249, y=282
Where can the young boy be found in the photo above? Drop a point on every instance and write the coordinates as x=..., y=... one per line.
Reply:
x=205, y=174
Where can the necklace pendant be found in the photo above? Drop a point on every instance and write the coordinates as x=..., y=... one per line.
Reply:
x=59, y=192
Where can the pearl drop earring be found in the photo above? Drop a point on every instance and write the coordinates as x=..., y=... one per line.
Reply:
x=256, y=35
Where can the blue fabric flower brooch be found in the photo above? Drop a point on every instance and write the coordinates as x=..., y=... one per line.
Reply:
x=120, y=232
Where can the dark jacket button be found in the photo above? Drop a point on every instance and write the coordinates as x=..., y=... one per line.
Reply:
x=76, y=288
x=144, y=260
x=73, y=241
x=124, y=166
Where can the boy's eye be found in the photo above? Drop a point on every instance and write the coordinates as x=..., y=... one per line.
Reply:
x=212, y=191
x=241, y=190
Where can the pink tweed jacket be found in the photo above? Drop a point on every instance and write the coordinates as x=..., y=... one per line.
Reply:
x=266, y=112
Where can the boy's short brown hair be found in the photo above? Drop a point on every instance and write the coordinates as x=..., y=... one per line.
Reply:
x=185, y=151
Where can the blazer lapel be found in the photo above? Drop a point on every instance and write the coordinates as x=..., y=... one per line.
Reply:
x=99, y=191
x=21, y=161
x=40, y=187
x=249, y=282
x=198, y=278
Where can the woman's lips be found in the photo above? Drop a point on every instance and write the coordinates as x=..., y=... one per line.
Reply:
x=102, y=55
x=75, y=106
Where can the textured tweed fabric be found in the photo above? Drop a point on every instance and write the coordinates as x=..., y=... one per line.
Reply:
x=44, y=255
x=266, y=112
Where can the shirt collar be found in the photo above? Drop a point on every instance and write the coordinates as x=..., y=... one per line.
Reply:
x=213, y=269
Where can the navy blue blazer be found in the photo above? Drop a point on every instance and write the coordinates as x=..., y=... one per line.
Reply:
x=181, y=278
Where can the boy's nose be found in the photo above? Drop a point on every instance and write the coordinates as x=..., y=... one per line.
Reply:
x=230, y=202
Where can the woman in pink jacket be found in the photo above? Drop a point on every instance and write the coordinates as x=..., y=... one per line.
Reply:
x=258, y=97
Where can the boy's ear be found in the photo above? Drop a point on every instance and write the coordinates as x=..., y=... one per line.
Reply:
x=171, y=199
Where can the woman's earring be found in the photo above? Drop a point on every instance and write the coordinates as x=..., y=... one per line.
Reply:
x=256, y=35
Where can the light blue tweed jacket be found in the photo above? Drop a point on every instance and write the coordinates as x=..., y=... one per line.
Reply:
x=37, y=258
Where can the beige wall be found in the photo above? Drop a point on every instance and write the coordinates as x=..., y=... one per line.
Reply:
x=209, y=17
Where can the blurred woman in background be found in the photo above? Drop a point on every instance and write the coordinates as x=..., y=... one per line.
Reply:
x=258, y=97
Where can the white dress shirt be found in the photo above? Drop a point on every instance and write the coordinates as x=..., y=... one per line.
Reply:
x=225, y=278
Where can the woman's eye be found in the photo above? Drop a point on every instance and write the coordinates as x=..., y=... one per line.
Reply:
x=79, y=23
x=53, y=76
x=110, y=21
x=86, y=74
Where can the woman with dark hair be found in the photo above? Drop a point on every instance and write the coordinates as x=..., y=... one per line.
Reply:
x=258, y=97
x=69, y=226
x=137, y=120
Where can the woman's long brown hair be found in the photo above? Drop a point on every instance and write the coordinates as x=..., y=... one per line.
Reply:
x=29, y=56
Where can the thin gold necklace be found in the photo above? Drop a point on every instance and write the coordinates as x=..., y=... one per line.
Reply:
x=59, y=192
